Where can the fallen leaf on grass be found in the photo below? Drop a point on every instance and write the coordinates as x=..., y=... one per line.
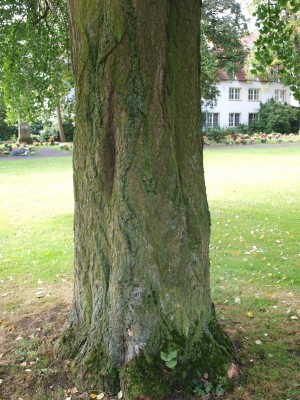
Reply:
x=6, y=294
x=73, y=391
x=294, y=318
x=258, y=341
x=233, y=371
x=250, y=314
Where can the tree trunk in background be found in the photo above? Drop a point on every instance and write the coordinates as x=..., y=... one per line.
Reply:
x=24, y=133
x=60, y=124
x=142, y=223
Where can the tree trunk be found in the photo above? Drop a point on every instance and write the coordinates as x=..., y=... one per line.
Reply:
x=142, y=223
x=60, y=124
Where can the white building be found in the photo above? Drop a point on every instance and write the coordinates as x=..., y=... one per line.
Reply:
x=239, y=100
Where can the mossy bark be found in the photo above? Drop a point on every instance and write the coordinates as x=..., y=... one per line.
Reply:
x=142, y=222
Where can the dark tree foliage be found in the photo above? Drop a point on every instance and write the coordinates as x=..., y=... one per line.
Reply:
x=222, y=28
x=6, y=131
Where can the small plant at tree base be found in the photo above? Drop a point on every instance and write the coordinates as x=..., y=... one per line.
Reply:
x=205, y=388
x=169, y=358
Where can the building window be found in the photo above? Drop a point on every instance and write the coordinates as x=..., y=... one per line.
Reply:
x=252, y=118
x=274, y=76
x=235, y=94
x=231, y=76
x=254, y=94
x=280, y=95
x=234, y=119
x=210, y=120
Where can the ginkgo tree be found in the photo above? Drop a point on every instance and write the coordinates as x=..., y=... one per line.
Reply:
x=142, y=320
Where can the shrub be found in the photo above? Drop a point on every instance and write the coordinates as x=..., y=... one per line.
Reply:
x=6, y=131
x=69, y=128
x=276, y=117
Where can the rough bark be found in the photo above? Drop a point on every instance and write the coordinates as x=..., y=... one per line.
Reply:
x=142, y=222
x=61, y=133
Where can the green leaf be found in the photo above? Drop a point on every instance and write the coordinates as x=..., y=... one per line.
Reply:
x=208, y=387
x=168, y=356
x=171, y=364
x=173, y=354
x=219, y=390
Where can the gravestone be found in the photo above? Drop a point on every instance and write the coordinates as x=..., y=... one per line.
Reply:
x=24, y=133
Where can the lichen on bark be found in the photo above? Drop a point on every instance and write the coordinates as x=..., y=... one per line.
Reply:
x=142, y=222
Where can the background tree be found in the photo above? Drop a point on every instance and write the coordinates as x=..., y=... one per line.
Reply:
x=222, y=28
x=34, y=57
x=6, y=131
x=278, y=44
x=142, y=223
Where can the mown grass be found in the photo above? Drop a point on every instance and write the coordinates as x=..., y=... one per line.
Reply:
x=255, y=263
x=36, y=235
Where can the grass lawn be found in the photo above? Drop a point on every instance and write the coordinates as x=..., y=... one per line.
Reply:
x=254, y=197
x=255, y=269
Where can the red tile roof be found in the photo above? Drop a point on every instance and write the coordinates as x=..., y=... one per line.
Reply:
x=240, y=76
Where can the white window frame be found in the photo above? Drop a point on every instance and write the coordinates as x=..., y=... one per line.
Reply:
x=254, y=94
x=253, y=118
x=211, y=120
x=235, y=94
x=234, y=119
x=280, y=95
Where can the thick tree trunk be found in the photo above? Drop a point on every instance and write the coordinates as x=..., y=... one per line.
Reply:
x=61, y=133
x=142, y=223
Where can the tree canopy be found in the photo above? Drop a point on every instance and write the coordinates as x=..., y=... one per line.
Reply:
x=34, y=56
x=222, y=27
x=278, y=44
x=34, y=51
